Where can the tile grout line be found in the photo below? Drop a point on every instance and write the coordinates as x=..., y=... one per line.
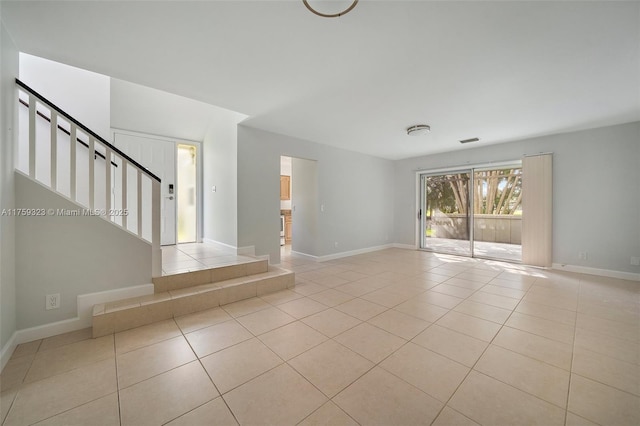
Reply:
x=573, y=351
x=184, y=336
x=480, y=357
x=115, y=356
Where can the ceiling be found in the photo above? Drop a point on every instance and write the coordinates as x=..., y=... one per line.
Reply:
x=499, y=71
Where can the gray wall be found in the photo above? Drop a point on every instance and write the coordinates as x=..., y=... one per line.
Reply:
x=220, y=169
x=83, y=94
x=304, y=203
x=147, y=110
x=355, y=189
x=69, y=255
x=596, y=192
x=8, y=94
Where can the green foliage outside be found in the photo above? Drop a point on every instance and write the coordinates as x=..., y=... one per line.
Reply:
x=496, y=192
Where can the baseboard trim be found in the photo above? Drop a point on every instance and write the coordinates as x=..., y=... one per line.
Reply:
x=305, y=255
x=596, y=271
x=342, y=254
x=7, y=351
x=404, y=246
x=222, y=246
x=240, y=251
x=82, y=320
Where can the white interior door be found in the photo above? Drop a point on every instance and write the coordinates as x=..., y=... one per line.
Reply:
x=159, y=156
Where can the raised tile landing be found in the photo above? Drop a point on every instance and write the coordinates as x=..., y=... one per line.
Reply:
x=189, y=292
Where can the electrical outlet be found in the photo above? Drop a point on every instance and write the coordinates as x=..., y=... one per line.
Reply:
x=52, y=301
x=582, y=255
x=335, y=244
x=635, y=261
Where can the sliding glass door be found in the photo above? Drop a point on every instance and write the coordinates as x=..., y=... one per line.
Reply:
x=497, y=213
x=475, y=212
x=445, y=220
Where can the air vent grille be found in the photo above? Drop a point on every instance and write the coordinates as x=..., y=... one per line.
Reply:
x=469, y=140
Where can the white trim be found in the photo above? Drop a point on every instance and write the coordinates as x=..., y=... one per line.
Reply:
x=7, y=351
x=596, y=271
x=343, y=253
x=87, y=301
x=82, y=320
x=222, y=246
x=240, y=251
x=305, y=256
x=149, y=136
x=469, y=166
x=404, y=246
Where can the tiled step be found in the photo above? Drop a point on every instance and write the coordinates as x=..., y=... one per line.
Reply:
x=125, y=314
x=212, y=275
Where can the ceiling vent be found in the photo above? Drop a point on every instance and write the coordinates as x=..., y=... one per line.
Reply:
x=469, y=140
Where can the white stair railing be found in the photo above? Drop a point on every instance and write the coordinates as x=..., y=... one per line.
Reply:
x=60, y=152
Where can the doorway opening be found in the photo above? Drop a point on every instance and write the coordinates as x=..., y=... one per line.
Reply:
x=300, y=210
x=473, y=212
x=286, y=222
x=187, y=177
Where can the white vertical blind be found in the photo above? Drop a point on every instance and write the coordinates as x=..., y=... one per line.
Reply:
x=537, y=212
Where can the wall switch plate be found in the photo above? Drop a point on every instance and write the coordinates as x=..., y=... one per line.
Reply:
x=213, y=188
x=635, y=261
x=52, y=301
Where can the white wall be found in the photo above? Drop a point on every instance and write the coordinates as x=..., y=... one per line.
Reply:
x=355, y=189
x=220, y=169
x=155, y=112
x=86, y=97
x=83, y=94
x=8, y=93
x=304, y=214
x=596, y=192
x=69, y=255
x=63, y=175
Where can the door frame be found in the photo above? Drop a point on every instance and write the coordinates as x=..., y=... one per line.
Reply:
x=472, y=168
x=422, y=239
x=199, y=190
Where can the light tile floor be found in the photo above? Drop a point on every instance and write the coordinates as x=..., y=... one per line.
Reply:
x=490, y=250
x=394, y=337
x=196, y=256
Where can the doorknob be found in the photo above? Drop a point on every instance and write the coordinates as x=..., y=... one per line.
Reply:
x=169, y=197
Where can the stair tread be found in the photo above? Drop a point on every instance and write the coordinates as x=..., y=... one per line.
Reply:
x=138, y=301
x=218, y=273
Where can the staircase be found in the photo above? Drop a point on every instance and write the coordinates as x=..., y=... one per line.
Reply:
x=67, y=158
x=190, y=292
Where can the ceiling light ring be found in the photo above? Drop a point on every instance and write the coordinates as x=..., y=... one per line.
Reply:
x=330, y=15
x=418, y=129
